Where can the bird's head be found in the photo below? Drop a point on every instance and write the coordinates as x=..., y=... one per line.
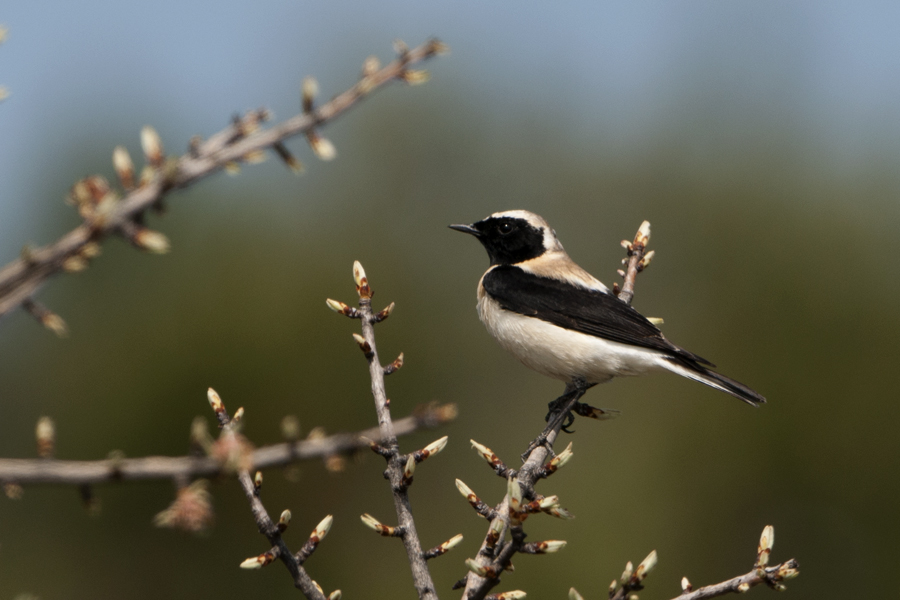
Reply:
x=513, y=236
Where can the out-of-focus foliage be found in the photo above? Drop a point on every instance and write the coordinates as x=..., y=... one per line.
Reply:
x=775, y=258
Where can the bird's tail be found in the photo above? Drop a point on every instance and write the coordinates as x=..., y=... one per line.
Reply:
x=712, y=379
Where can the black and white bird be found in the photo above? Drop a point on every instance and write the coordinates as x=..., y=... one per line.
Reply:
x=559, y=320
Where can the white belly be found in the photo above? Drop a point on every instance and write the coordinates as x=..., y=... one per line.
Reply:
x=561, y=353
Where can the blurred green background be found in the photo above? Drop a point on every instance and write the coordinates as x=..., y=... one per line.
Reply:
x=759, y=138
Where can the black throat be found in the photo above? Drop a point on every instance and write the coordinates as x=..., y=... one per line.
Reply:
x=510, y=240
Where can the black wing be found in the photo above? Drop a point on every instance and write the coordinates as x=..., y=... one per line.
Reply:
x=579, y=309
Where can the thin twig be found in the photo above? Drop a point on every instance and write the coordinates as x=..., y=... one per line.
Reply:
x=635, y=262
x=21, y=278
x=267, y=527
x=29, y=471
x=397, y=464
x=772, y=576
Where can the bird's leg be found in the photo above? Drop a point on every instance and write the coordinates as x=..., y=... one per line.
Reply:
x=560, y=413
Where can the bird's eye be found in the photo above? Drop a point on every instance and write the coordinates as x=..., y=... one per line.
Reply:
x=504, y=228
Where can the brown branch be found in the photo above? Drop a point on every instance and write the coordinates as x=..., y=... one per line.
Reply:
x=20, y=279
x=399, y=467
x=267, y=527
x=635, y=263
x=81, y=472
x=772, y=576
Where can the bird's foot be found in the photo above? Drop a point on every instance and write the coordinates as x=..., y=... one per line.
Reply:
x=537, y=442
x=560, y=415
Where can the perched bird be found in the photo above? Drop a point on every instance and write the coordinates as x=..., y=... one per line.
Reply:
x=562, y=322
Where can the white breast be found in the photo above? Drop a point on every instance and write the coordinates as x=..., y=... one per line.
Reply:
x=561, y=353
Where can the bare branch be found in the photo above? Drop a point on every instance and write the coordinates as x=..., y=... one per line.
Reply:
x=636, y=262
x=400, y=468
x=20, y=279
x=772, y=576
x=31, y=471
x=269, y=529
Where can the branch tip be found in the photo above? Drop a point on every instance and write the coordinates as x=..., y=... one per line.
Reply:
x=766, y=542
x=362, y=282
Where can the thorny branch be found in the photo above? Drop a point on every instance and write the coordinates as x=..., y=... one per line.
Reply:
x=267, y=527
x=29, y=471
x=104, y=214
x=400, y=467
x=632, y=579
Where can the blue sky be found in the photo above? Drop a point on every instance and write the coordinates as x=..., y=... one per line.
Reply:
x=82, y=70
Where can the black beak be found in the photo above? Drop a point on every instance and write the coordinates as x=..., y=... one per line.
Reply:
x=466, y=229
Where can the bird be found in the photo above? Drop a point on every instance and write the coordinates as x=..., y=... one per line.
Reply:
x=564, y=323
